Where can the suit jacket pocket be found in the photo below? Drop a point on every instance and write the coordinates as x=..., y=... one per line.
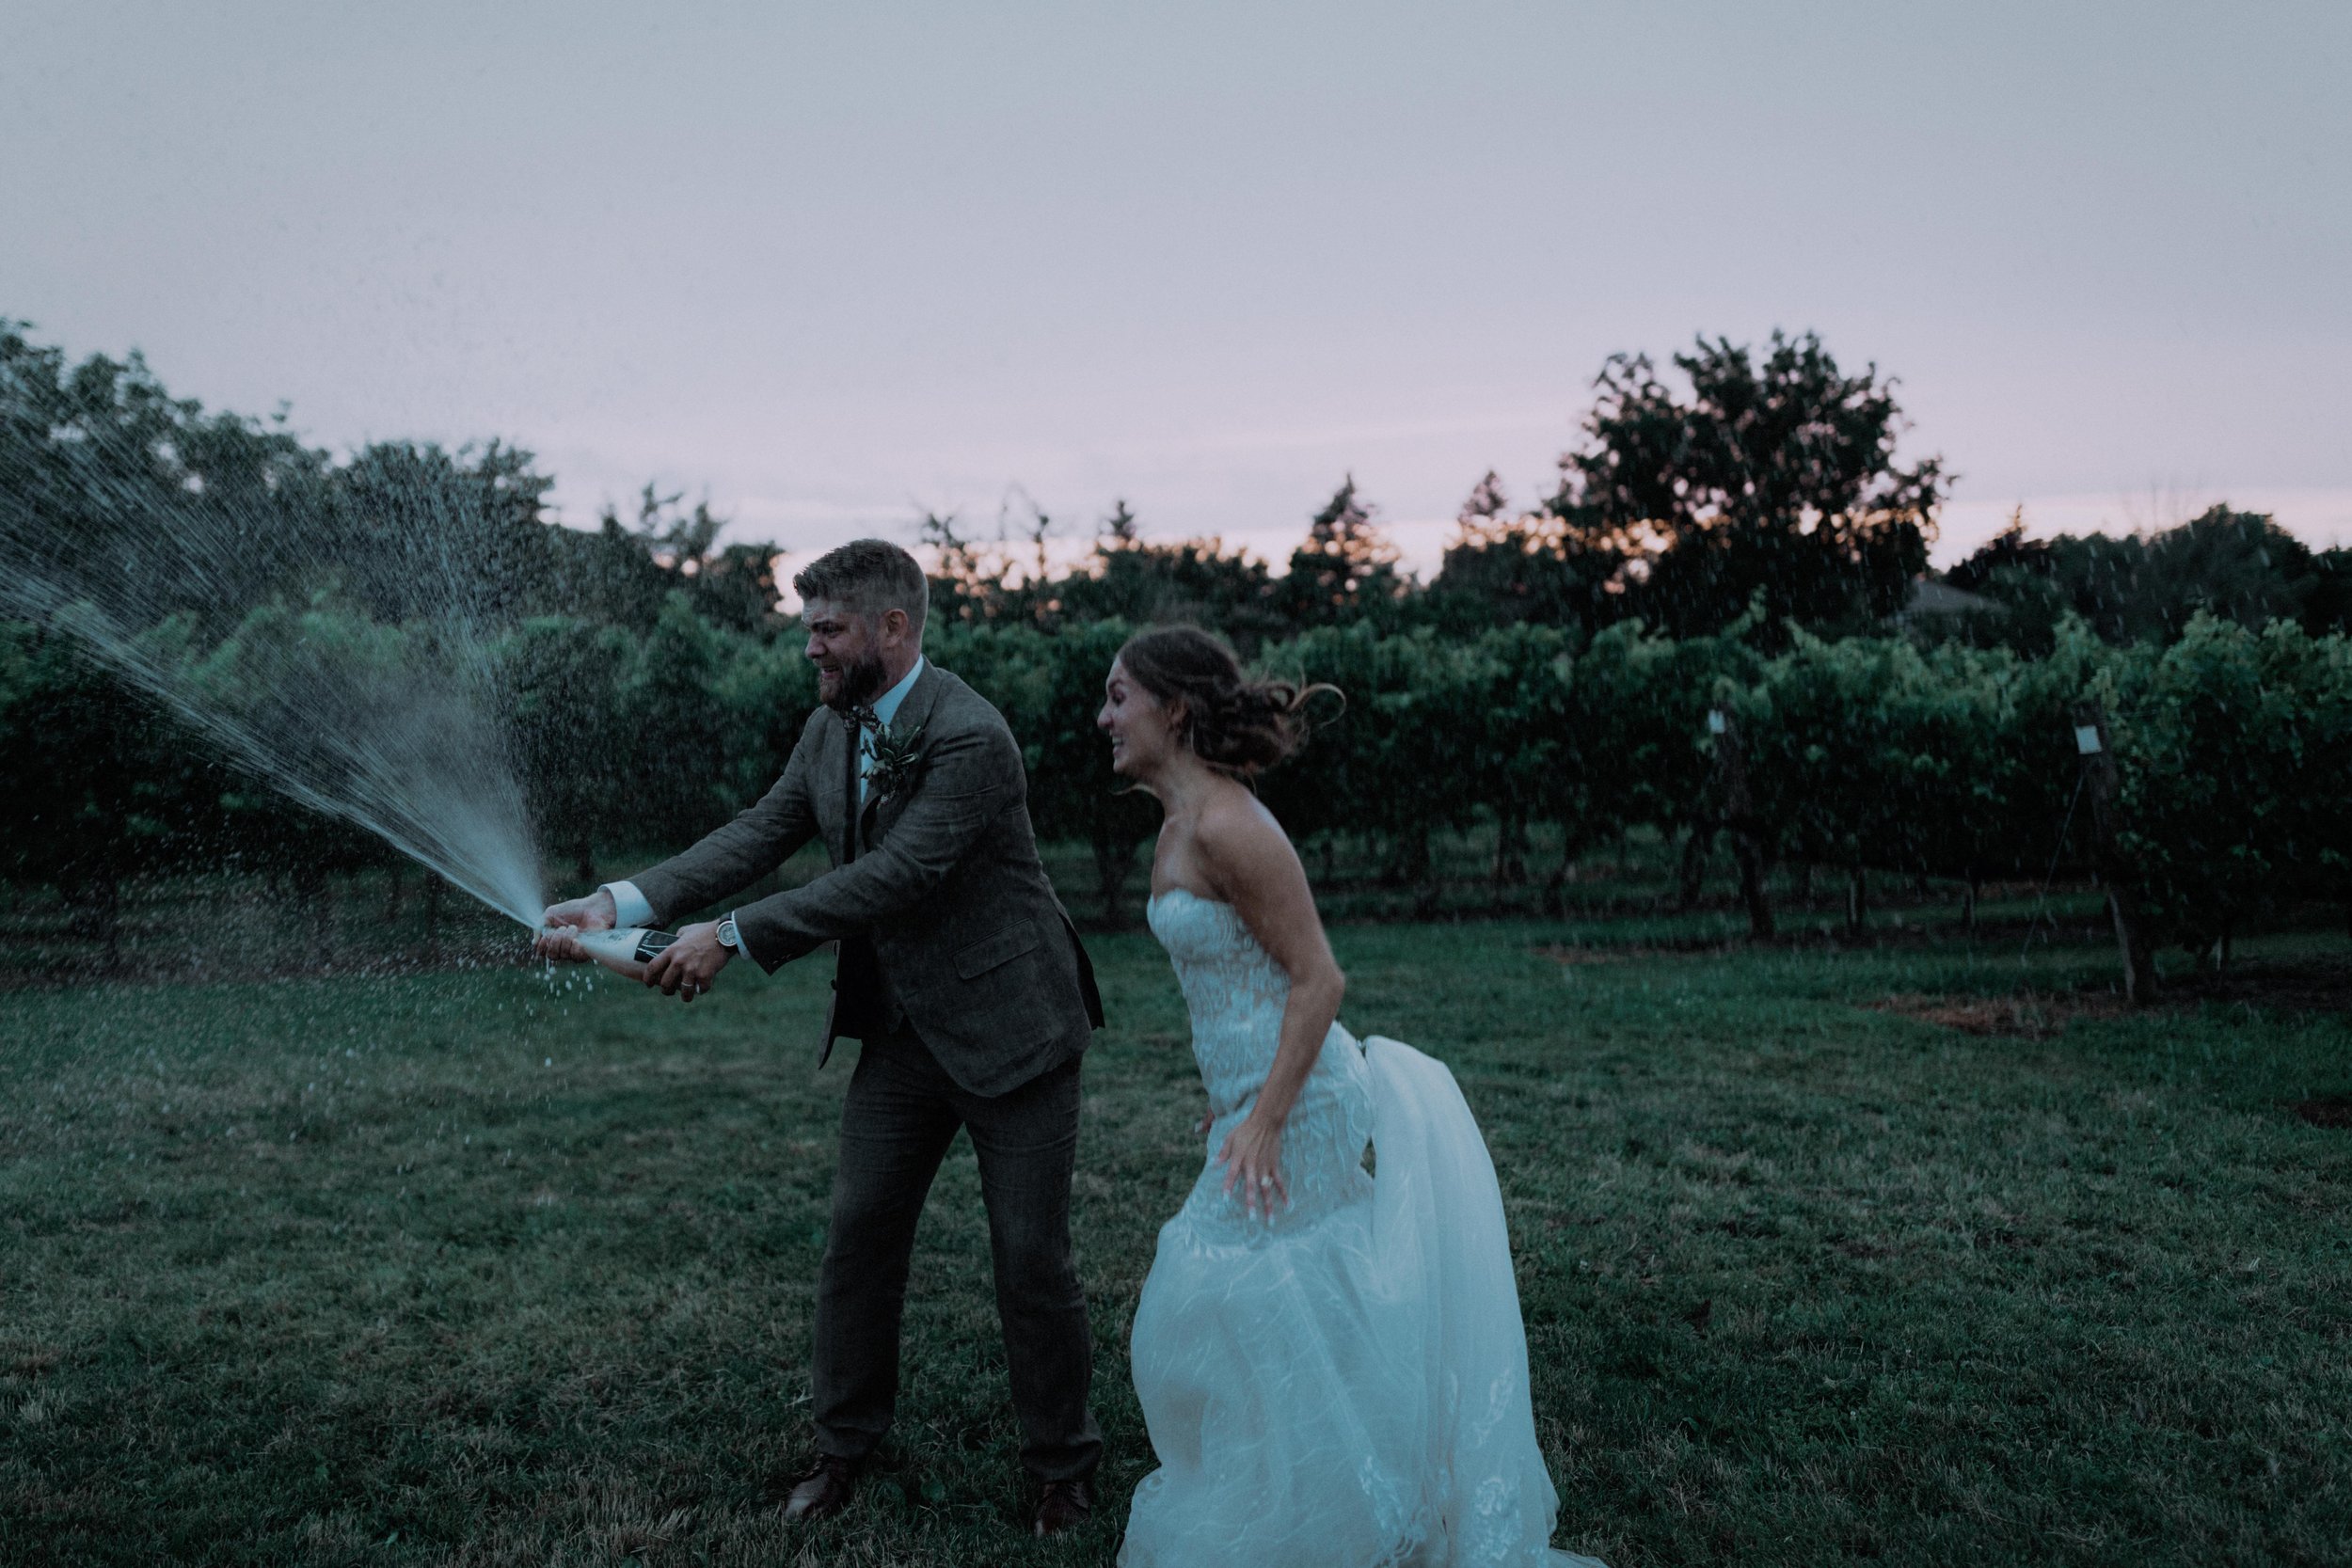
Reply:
x=976, y=958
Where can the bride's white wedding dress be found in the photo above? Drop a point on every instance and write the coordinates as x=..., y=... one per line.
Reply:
x=1344, y=1385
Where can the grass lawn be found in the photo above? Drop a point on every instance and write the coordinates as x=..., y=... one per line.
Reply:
x=462, y=1267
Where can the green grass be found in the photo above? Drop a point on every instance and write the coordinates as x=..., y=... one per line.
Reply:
x=457, y=1267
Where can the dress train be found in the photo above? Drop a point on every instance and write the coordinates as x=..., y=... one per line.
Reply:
x=1343, y=1383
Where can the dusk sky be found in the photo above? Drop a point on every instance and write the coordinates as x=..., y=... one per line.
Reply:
x=830, y=265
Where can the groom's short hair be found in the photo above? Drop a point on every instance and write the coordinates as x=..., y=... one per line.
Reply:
x=866, y=577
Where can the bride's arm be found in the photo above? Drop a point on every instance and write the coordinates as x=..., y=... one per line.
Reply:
x=1250, y=859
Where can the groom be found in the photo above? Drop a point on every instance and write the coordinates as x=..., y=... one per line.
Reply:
x=959, y=973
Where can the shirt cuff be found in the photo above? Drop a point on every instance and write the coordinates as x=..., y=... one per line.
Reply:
x=629, y=905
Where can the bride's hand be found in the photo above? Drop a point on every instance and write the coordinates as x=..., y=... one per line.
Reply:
x=1252, y=1156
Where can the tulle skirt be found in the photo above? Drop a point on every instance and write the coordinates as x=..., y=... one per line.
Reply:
x=1352, y=1391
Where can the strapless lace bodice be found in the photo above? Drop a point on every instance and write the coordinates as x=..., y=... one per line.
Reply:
x=1237, y=994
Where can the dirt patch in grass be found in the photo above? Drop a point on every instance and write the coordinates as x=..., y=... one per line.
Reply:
x=1904, y=930
x=2329, y=1109
x=1569, y=953
x=2027, y=1016
x=2320, y=986
x=505, y=948
x=2301, y=986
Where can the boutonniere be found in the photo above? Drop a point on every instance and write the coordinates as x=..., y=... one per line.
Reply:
x=897, y=760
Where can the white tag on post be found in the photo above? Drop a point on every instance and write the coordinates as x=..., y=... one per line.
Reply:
x=2087, y=739
x=1715, y=724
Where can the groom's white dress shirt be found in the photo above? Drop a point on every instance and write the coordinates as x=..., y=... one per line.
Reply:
x=629, y=905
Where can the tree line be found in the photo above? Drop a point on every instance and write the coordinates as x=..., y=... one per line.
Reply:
x=1860, y=755
x=1708, y=630
x=1762, y=488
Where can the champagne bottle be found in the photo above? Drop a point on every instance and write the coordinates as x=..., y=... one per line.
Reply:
x=626, y=951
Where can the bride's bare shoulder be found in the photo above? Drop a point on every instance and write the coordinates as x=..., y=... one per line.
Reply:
x=1237, y=835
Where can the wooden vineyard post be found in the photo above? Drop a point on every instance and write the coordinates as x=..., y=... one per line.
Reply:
x=2099, y=783
x=1739, y=815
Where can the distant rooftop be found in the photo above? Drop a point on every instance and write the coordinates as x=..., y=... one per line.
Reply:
x=1929, y=597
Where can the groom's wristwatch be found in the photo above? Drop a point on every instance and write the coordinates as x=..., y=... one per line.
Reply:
x=727, y=939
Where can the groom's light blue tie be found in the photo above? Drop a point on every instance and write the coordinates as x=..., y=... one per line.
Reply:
x=854, y=724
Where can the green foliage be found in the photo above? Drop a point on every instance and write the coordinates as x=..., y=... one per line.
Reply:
x=1049, y=689
x=90, y=798
x=100, y=784
x=1557, y=677
x=682, y=748
x=572, y=738
x=2236, y=751
x=1389, y=767
x=1876, y=753
x=2239, y=566
x=1640, y=718
x=2233, y=747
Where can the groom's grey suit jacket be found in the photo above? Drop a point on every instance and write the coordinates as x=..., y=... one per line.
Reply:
x=945, y=918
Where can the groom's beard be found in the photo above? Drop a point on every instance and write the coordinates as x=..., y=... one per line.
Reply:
x=860, y=683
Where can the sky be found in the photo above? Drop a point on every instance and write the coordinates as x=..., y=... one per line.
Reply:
x=828, y=267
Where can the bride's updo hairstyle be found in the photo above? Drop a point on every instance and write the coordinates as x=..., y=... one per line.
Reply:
x=1231, y=722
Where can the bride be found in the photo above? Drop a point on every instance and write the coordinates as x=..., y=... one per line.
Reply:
x=1330, y=1363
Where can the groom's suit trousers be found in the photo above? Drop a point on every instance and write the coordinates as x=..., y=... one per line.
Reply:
x=901, y=1113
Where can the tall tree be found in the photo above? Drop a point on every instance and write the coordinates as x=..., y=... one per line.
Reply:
x=1505, y=566
x=114, y=491
x=622, y=574
x=1345, y=570
x=1143, y=581
x=408, y=529
x=1774, y=477
x=1121, y=526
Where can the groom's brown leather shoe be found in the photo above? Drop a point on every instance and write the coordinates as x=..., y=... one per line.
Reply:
x=1065, y=1506
x=824, y=1492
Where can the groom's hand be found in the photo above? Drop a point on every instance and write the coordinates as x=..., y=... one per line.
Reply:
x=686, y=968
x=595, y=912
